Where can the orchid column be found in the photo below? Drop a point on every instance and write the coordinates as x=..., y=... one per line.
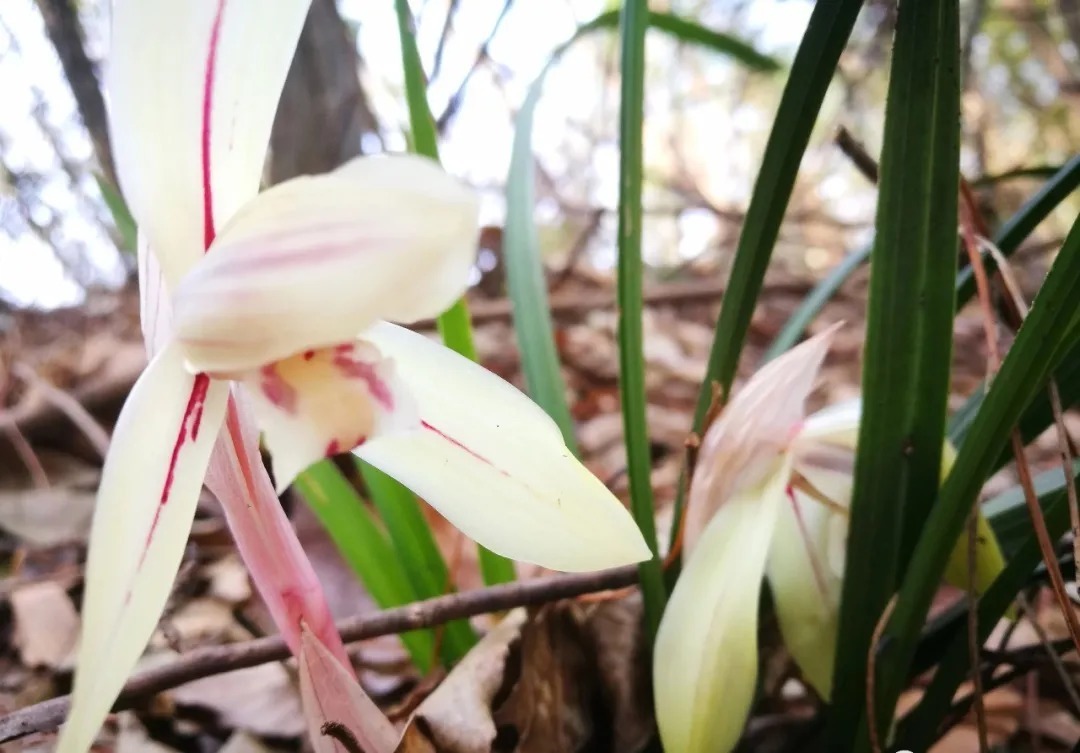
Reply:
x=280, y=327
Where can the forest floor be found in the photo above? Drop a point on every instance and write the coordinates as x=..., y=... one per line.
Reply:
x=65, y=374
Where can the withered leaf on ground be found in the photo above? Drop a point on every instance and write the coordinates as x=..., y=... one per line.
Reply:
x=565, y=678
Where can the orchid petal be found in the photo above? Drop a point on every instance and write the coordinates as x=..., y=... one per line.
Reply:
x=757, y=425
x=264, y=536
x=331, y=695
x=806, y=570
x=315, y=260
x=325, y=402
x=705, y=658
x=149, y=489
x=495, y=464
x=193, y=88
x=155, y=310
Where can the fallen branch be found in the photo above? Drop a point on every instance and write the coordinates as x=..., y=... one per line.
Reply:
x=214, y=660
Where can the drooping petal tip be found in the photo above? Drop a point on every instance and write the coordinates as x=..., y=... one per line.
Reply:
x=146, y=501
x=493, y=463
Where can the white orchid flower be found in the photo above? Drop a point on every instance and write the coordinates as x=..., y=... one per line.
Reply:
x=268, y=310
x=769, y=498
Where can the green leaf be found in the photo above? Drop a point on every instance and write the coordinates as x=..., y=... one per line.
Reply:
x=521, y=243
x=1063, y=181
x=417, y=552
x=363, y=544
x=812, y=305
x=1038, y=416
x=815, y=62
x=629, y=301
x=1008, y=514
x=907, y=359
x=1040, y=346
x=454, y=324
x=920, y=728
x=1016, y=230
x=125, y=223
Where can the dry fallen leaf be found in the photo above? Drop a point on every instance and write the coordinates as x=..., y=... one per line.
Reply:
x=46, y=625
x=566, y=677
x=261, y=699
x=46, y=516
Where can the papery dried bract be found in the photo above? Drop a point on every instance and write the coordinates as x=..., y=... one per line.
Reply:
x=331, y=695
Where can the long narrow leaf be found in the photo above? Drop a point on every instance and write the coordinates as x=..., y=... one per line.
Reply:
x=812, y=305
x=521, y=242
x=631, y=349
x=1037, y=351
x=919, y=730
x=363, y=544
x=815, y=62
x=454, y=324
x=908, y=340
x=1016, y=230
x=417, y=552
x=1062, y=182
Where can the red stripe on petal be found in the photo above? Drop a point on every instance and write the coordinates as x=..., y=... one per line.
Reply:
x=804, y=533
x=460, y=446
x=189, y=430
x=207, y=108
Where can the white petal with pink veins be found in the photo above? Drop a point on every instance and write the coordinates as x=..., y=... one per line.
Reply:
x=316, y=260
x=324, y=402
x=192, y=89
x=149, y=488
x=493, y=463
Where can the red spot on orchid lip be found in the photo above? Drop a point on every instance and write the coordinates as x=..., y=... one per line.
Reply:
x=309, y=354
x=354, y=368
x=332, y=448
x=276, y=389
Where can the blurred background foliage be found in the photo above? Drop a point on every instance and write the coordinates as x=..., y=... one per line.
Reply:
x=706, y=120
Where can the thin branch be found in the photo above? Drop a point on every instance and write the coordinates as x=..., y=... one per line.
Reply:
x=857, y=153
x=214, y=660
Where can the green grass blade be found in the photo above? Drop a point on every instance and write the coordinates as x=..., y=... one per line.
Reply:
x=118, y=208
x=1008, y=515
x=521, y=242
x=1038, y=349
x=629, y=297
x=814, y=302
x=815, y=62
x=908, y=339
x=454, y=324
x=362, y=543
x=1018, y=227
x=417, y=552
x=812, y=70
x=1037, y=417
x=921, y=727
x=1062, y=182
x=525, y=279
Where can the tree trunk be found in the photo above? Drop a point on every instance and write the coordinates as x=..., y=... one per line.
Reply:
x=65, y=33
x=323, y=112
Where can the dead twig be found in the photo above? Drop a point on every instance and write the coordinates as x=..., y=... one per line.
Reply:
x=68, y=405
x=214, y=660
x=857, y=153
